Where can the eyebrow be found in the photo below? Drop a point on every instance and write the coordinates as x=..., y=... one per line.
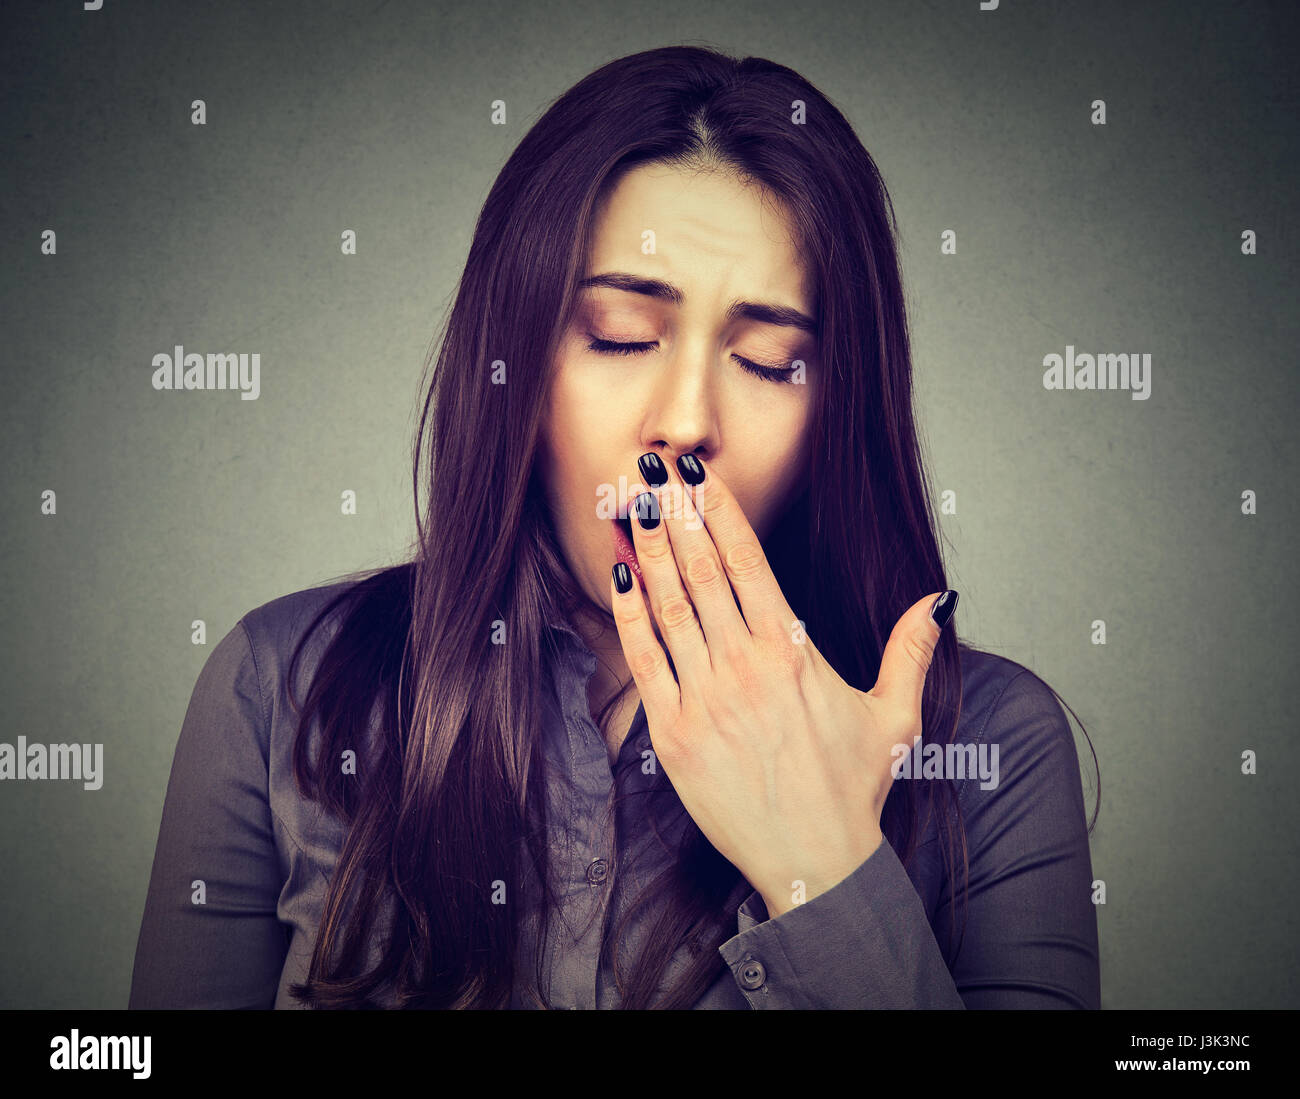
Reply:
x=765, y=312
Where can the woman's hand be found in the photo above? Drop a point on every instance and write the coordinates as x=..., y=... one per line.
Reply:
x=783, y=766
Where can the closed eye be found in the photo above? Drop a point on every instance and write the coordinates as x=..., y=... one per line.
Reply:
x=779, y=374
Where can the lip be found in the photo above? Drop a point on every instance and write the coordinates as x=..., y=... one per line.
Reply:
x=624, y=549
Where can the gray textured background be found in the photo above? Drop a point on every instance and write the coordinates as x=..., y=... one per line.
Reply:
x=1072, y=506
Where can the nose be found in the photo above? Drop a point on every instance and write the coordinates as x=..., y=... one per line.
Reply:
x=682, y=414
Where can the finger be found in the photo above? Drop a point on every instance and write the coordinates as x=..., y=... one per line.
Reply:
x=909, y=652
x=646, y=659
x=759, y=594
x=668, y=601
x=698, y=562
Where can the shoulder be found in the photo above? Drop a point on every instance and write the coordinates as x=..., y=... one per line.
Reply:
x=1014, y=717
x=254, y=685
x=301, y=625
x=237, y=714
x=993, y=686
x=275, y=627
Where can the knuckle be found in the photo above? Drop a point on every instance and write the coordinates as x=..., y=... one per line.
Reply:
x=702, y=570
x=917, y=650
x=644, y=663
x=672, y=742
x=793, y=657
x=670, y=745
x=794, y=664
x=785, y=655
x=627, y=615
x=749, y=680
x=745, y=560
x=727, y=713
x=655, y=550
x=752, y=682
x=676, y=613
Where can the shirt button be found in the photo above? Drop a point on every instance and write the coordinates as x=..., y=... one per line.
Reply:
x=597, y=871
x=643, y=745
x=751, y=974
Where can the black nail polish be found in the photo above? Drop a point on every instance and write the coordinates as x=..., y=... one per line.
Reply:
x=653, y=469
x=622, y=578
x=647, y=510
x=690, y=468
x=943, y=608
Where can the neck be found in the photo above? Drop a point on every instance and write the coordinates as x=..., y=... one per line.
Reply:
x=608, y=679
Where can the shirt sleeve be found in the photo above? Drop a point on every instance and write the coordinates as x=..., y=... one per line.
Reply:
x=210, y=936
x=1030, y=938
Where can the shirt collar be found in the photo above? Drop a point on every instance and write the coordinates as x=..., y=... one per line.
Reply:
x=559, y=623
x=561, y=628
x=570, y=646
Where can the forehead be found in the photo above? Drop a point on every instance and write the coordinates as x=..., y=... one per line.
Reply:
x=707, y=232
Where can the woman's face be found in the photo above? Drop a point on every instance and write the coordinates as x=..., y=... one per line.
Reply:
x=707, y=243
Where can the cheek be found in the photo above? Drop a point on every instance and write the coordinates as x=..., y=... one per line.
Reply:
x=574, y=409
x=562, y=428
x=572, y=470
x=774, y=462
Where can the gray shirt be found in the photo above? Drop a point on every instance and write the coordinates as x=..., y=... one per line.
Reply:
x=234, y=820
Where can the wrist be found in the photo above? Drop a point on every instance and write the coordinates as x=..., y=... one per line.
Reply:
x=815, y=881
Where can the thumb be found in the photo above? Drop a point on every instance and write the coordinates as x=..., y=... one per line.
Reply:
x=910, y=649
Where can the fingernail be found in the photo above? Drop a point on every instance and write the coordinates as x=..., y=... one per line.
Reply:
x=647, y=510
x=943, y=608
x=690, y=468
x=622, y=578
x=653, y=469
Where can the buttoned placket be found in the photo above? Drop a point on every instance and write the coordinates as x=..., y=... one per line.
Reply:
x=586, y=862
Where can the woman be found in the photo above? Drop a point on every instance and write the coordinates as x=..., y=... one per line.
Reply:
x=684, y=781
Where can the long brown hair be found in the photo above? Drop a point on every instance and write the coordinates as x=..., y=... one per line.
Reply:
x=449, y=793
